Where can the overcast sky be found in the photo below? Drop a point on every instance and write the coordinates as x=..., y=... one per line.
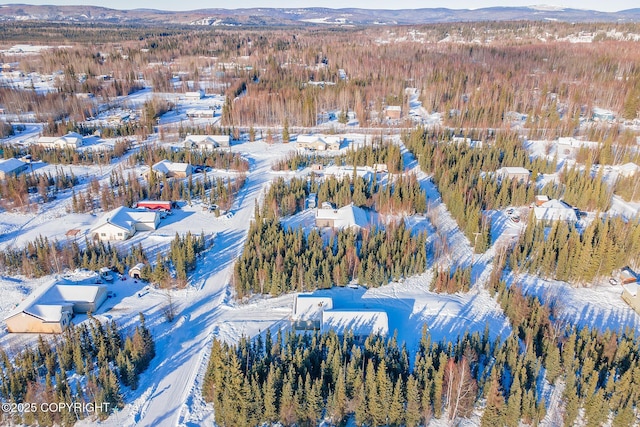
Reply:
x=607, y=6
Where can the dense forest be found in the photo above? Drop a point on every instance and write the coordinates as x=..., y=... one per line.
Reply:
x=88, y=363
x=563, y=252
x=302, y=379
x=276, y=260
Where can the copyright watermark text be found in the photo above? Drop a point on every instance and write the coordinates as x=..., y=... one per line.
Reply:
x=78, y=407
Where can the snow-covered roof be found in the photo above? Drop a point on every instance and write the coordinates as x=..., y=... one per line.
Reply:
x=165, y=166
x=513, y=170
x=49, y=301
x=361, y=323
x=345, y=217
x=11, y=165
x=628, y=169
x=208, y=139
x=632, y=288
x=126, y=218
x=576, y=143
x=310, y=307
x=555, y=210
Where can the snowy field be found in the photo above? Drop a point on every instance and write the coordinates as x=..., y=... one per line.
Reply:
x=169, y=391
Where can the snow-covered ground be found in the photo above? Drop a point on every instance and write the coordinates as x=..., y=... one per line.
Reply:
x=169, y=392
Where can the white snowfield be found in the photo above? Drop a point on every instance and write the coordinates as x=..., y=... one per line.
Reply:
x=169, y=392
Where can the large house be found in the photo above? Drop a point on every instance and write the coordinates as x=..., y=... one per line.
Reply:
x=349, y=216
x=50, y=308
x=11, y=167
x=206, y=142
x=168, y=169
x=513, y=172
x=555, y=210
x=122, y=223
x=319, y=142
x=70, y=140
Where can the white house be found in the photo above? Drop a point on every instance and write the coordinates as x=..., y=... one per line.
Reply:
x=555, y=210
x=310, y=307
x=122, y=223
x=70, y=140
x=206, y=142
x=194, y=95
x=171, y=169
x=513, y=172
x=361, y=323
x=349, y=216
x=628, y=169
x=319, y=142
x=11, y=167
x=49, y=308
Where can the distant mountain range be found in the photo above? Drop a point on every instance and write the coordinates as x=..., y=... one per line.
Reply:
x=306, y=16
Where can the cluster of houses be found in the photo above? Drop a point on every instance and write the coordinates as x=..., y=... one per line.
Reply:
x=312, y=312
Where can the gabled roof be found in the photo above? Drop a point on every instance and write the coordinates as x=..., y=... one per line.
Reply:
x=345, y=217
x=513, y=170
x=10, y=165
x=555, y=210
x=165, y=166
x=126, y=218
x=212, y=139
x=50, y=301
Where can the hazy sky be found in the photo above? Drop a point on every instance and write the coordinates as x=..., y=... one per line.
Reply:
x=608, y=6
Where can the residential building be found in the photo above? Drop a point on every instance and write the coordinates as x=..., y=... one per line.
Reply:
x=122, y=223
x=349, y=216
x=70, y=140
x=513, y=172
x=319, y=142
x=555, y=210
x=206, y=142
x=11, y=167
x=50, y=308
x=165, y=168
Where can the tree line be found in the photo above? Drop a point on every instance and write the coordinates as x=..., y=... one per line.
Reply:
x=43, y=256
x=563, y=252
x=401, y=194
x=88, y=363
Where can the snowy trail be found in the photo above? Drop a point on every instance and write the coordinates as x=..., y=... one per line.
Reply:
x=169, y=393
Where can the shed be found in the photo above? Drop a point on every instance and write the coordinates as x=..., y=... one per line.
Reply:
x=135, y=272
